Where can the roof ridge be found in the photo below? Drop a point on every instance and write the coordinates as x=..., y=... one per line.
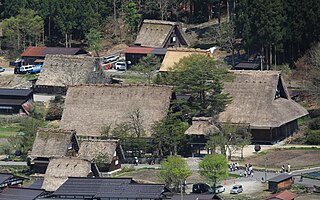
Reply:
x=56, y=130
x=121, y=85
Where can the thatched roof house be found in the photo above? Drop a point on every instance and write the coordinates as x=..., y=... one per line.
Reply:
x=106, y=150
x=90, y=107
x=60, y=71
x=201, y=126
x=161, y=34
x=52, y=143
x=261, y=99
x=174, y=55
x=59, y=169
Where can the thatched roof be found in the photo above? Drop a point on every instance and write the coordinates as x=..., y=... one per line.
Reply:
x=155, y=33
x=64, y=70
x=51, y=143
x=173, y=56
x=201, y=126
x=90, y=150
x=90, y=107
x=254, y=100
x=59, y=169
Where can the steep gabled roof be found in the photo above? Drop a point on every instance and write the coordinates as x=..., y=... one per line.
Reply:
x=201, y=126
x=155, y=33
x=90, y=150
x=90, y=107
x=63, y=70
x=174, y=55
x=51, y=143
x=261, y=99
x=59, y=169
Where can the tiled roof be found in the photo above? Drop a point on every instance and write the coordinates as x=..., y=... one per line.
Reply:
x=42, y=51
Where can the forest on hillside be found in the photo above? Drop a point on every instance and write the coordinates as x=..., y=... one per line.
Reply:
x=283, y=28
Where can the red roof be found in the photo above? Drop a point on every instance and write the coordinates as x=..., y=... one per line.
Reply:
x=138, y=50
x=42, y=51
x=33, y=51
x=284, y=195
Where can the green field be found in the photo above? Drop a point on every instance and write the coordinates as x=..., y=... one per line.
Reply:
x=7, y=130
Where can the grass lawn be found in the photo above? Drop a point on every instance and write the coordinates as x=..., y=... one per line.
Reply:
x=297, y=158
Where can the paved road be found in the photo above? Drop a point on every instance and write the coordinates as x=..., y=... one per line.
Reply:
x=13, y=163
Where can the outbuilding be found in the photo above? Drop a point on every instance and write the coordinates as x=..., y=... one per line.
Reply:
x=280, y=182
x=14, y=101
x=284, y=195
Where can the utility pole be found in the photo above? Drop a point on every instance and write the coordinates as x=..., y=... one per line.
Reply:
x=265, y=169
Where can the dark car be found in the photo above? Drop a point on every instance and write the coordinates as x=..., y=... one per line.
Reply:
x=201, y=188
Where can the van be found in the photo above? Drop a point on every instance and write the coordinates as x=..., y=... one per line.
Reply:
x=121, y=66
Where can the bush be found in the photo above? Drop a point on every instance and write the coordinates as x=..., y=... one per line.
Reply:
x=54, y=112
x=314, y=113
x=313, y=137
x=314, y=124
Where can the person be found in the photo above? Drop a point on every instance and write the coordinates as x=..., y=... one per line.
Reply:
x=282, y=169
x=245, y=173
x=301, y=177
x=252, y=173
x=289, y=167
x=136, y=160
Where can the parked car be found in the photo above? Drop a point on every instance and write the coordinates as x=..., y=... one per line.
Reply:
x=220, y=189
x=236, y=189
x=26, y=68
x=2, y=69
x=112, y=58
x=201, y=188
x=121, y=65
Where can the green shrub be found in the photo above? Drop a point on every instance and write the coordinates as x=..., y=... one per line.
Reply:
x=313, y=137
x=314, y=113
x=314, y=124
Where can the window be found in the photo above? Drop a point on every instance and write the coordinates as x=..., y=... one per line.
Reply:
x=173, y=39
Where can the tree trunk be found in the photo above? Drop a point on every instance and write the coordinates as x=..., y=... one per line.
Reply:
x=228, y=11
x=66, y=38
x=114, y=10
x=219, y=14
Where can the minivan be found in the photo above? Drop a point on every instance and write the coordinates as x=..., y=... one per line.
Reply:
x=121, y=66
x=26, y=68
x=201, y=188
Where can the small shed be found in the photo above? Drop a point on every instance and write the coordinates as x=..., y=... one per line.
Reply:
x=52, y=143
x=280, y=182
x=14, y=101
x=135, y=53
x=247, y=66
x=284, y=195
x=107, y=154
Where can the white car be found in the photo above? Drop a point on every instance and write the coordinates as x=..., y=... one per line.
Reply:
x=121, y=66
x=236, y=189
x=109, y=59
x=220, y=189
x=26, y=68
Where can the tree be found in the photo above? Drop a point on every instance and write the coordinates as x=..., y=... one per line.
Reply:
x=213, y=167
x=313, y=60
x=148, y=66
x=94, y=40
x=132, y=17
x=200, y=77
x=174, y=171
x=168, y=135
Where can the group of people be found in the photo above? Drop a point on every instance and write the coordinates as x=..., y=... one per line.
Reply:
x=234, y=166
x=248, y=171
x=283, y=169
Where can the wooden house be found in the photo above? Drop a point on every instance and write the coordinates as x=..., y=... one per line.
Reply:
x=108, y=188
x=261, y=100
x=59, y=169
x=280, y=182
x=160, y=34
x=174, y=55
x=90, y=107
x=15, y=101
x=35, y=55
x=284, y=195
x=9, y=179
x=107, y=154
x=52, y=143
x=60, y=71
x=135, y=53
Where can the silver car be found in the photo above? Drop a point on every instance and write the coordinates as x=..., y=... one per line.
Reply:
x=236, y=189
